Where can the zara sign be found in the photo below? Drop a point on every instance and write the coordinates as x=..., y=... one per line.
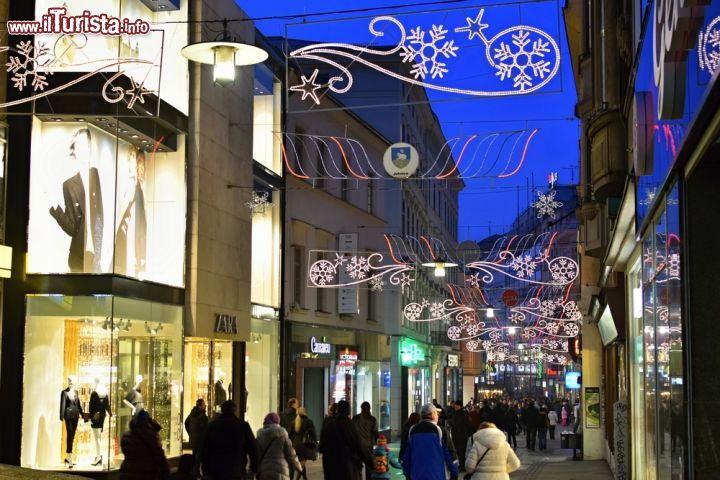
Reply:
x=675, y=28
x=226, y=324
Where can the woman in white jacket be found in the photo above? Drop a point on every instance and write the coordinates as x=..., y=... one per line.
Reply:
x=489, y=456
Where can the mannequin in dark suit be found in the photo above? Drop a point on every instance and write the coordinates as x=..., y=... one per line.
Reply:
x=72, y=219
x=70, y=413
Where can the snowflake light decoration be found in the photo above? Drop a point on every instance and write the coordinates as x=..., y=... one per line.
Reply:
x=322, y=272
x=571, y=329
x=454, y=333
x=258, y=202
x=571, y=311
x=28, y=64
x=547, y=308
x=437, y=309
x=563, y=270
x=546, y=204
x=709, y=46
x=377, y=284
x=358, y=267
x=472, y=346
x=516, y=318
x=524, y=266
x=424, y=52
x=519, y=62
x=527, y=55
x=473, y=280
x=552, y=328
x=473, y=329
x=673, y=264
x=413, y=311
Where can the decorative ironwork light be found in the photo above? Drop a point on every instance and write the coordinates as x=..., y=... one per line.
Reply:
x=224, y=54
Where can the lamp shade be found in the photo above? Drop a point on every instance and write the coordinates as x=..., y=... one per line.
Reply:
x=206, y=52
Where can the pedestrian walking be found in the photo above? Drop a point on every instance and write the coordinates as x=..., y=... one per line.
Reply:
x=427, y=453
x=287, y=416
x=511, y=425
x=275, y=450
x=530, y=418
x=552, y=420
x=144, y=458
x=304, y=440
x=228, y=446
x=461, y=430
x=367, y=428
x=413, y=419
x=195, y=424
x=490, y=456
x=543, y=424
x=343, y=454
x=564, y=415
x=382, y=459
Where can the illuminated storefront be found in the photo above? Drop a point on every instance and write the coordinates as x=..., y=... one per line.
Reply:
x=415, y=368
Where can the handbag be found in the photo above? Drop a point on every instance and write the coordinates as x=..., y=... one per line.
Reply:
x=468, y=476
x=311, y=446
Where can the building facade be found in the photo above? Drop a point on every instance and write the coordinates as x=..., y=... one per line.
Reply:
x=648, y=104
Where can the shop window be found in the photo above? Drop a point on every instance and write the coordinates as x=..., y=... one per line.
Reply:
x=86, y=350
x=267, y=92
x=261, y=370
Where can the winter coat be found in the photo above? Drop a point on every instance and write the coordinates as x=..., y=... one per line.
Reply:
x=287, y=419
x=367, y=428
x=228, y=444
x=195, y=425
x=499, y=460
x=382, y=456
x=144, y=456
x=427, y=453
x=552, y=418
x=307, y=431
x=543, y=422
x=461, y=429
x=343, y=453
x=511, y=421
x=276, y=452
x=531, y=417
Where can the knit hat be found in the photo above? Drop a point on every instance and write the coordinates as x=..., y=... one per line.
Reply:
x=381, y=440
x=272, y=418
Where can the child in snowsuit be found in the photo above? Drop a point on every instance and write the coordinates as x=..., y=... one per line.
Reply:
x=382, y=459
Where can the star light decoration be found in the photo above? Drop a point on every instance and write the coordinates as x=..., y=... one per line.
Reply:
x=546, y=205
x=527, y=55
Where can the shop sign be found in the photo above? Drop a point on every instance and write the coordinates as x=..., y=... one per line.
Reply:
x=675, y=27
x=226, y=324
x=411, y=353
x=319, y=347
x=453, y=360
x=347, y=359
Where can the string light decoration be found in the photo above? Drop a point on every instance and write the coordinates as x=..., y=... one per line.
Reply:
x=34, y=63
x=359, y=269
x=527, y=55
x=481, y=155
x=258, y=202
x=553, y=310
x=709, y=46
x=546, y=205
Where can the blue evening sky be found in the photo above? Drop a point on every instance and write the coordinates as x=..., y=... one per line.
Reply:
x=487, y=206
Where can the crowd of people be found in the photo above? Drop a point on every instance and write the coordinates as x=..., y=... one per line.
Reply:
x=477, y=438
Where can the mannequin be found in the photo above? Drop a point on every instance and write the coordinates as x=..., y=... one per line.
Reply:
x=70, y=412
x=134, y=398
x=220, y=390
x=99, y=406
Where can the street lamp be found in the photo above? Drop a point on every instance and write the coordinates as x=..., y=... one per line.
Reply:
x=224, y=55
x=439, y=266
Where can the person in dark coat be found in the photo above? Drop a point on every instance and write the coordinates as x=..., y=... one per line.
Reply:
x=144, y=458
x=304, y=440
x=461, y=430
x=287, y=416
x=196, y=423
x=185, y=471
x=228, y=444
x=531, y=418
x=367, y=428
x=343, y=452
x=510, y=424
x=413, y=419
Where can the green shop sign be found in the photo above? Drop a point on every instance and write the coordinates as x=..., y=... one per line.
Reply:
x=411, y=353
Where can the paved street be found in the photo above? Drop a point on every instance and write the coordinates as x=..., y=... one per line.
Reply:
x=555, y=463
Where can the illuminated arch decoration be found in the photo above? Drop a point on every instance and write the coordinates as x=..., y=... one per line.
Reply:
x=357, y=269
x=525, y=56
x=521, y=261
x=30, y=65
x=416, y=312
x=481, y=155
x=709, y=46
x=551, y=310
